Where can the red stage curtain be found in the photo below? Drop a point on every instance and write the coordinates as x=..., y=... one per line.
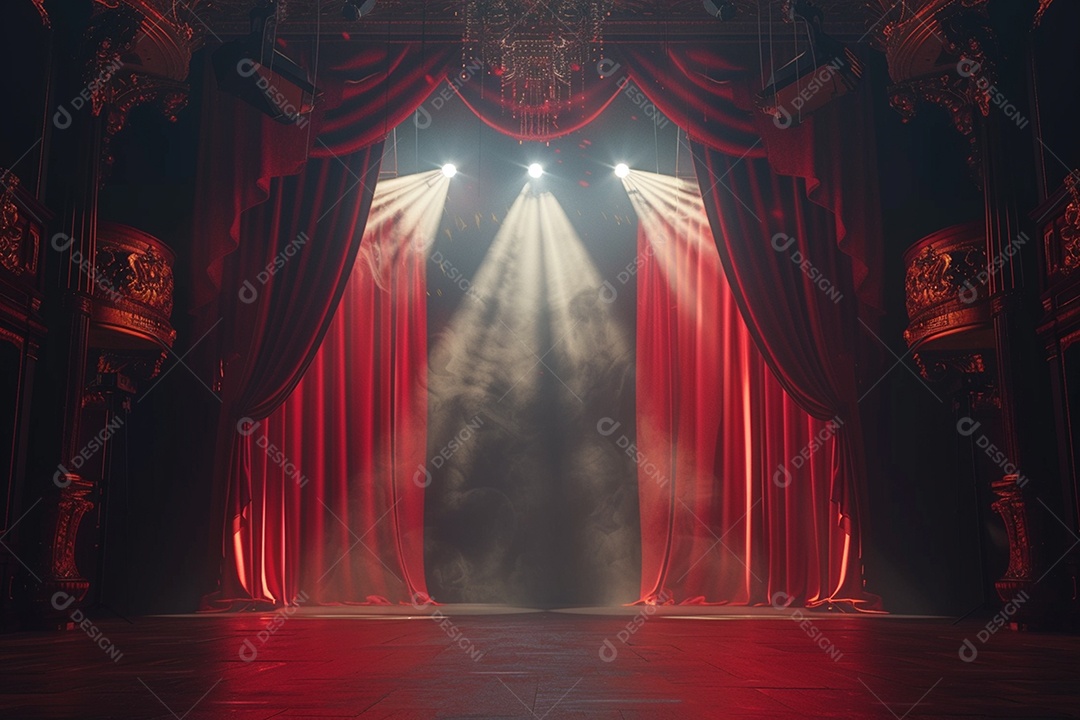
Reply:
x=347, y=525
x=283, y=294
x=369, y=89
x=486, y=99
x=794, y=291
x=250, y=209
x=740, y=509
x=710, y=95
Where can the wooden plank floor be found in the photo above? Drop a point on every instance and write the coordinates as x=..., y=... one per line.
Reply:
x=538, y=665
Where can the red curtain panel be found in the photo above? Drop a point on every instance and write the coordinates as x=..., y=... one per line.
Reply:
x=334, y=509
x=734, y=476
x=277, y=302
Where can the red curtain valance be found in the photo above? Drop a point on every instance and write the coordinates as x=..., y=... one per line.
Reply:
x=369, y=89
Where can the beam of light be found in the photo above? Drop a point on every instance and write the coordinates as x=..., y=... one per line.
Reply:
x=673, y=220
x=622, y=170
x=401, y=226
x=529, y=338
x=449, y=170
x=676, y=242
x=536, y=170
x=404, y=218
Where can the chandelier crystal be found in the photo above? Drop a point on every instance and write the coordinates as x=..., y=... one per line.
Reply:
x=537, y=49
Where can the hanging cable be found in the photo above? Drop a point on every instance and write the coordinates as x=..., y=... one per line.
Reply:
x=315, y=72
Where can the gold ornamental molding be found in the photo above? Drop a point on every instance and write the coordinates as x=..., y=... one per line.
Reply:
x=133, y=290
x=140, y=53
x=1069, y=259
x=940, y=52
x=946, y=290
x=20, y=239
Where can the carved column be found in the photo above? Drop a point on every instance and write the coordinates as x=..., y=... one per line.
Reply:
x=971, y=57
x=116, y=284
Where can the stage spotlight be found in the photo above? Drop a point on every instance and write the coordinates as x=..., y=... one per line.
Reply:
x=536, y=170
x=449, y=170
x=622, y=170
x=722, y=11
x=356, y=9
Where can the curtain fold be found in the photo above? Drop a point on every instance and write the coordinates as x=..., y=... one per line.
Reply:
x=335, y=511
x=741, y=509
x=283, y=294
x=790, y=284
x=368, y=90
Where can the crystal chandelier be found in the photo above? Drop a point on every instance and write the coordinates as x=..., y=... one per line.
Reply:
x=537, y=49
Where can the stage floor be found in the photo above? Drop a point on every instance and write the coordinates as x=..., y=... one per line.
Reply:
x=486, y=662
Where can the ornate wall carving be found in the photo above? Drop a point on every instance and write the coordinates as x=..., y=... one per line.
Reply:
x=945, y=287
x=133, y=287
x=940, y=52
x=20, y=239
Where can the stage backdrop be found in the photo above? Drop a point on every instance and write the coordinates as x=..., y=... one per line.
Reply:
x=761, y=185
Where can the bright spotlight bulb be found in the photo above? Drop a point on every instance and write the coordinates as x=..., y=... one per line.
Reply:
x=622, y=170
x=535, y=170
x=449, y=170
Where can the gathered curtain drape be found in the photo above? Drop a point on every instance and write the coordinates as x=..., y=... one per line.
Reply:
x=261, y=184
x=738, y=457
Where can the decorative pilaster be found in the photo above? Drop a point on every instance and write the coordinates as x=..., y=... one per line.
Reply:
x=141, y=53
x=940, y=52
